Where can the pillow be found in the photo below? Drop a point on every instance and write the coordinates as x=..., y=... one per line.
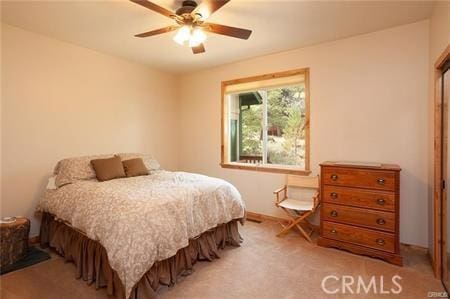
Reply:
x=108, y=169
x=149, y=162
x=134, y=167
x=69, y=170
x=51, y=185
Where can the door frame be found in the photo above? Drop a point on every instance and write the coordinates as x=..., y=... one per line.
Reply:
x=440, y=167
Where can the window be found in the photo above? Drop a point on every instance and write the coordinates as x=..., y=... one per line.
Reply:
x=265, y=122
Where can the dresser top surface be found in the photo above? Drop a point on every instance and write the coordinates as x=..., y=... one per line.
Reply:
x=361, y=165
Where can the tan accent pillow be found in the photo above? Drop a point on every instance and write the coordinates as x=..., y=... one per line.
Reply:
x=108, y=169
x=149, y=161
x=134, y=167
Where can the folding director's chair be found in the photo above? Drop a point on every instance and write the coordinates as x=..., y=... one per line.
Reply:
x=298, y=209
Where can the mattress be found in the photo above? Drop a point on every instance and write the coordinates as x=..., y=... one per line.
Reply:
x=146, y=219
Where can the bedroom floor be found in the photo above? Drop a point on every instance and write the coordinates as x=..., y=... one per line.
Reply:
x=263, y=267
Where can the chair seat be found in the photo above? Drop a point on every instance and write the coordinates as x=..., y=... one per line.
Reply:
x=297, y=204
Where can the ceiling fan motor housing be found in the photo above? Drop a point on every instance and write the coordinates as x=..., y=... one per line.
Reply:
x=187, y=7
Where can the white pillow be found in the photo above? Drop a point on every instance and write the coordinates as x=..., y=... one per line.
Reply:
x=69, y=170
x=51, y=185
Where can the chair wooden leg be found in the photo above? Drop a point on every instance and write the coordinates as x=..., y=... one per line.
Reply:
x=286, y=229
x=284, y=224
x=307, y=230
x=304, y=220
x=296, y=222
x=311, y=226
x=304, y=233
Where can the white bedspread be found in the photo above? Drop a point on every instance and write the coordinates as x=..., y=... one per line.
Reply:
x=144, y=219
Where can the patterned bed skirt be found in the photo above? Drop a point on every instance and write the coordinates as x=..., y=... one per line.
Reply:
x=92, y=264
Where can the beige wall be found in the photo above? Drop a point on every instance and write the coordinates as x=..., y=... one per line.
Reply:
x=1, y=106
x=439, y=29
x=439, y=40
x=61, y=100
x=369, y=97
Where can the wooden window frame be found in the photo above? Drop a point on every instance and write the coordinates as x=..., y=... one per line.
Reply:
x=440, y=158
x=265, y=167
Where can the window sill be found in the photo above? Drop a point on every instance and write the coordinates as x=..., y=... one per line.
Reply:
x=265, y=168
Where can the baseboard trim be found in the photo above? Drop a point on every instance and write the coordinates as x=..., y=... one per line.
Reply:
x=263, y=217
x=34, y=240
x=433, y=264
x=415, y=246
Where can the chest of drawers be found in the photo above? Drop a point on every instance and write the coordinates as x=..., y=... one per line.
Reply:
x=360, y=209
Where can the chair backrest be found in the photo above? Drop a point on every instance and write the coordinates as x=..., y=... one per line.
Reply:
x=310, y=182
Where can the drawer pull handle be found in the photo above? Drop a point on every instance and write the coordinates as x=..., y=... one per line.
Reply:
x=333, y=195
x=381, y=181
x=334, y=177
x=333, y=231
x=381, y=221
x=380, y=242
x=381, y=201
x=334, y=213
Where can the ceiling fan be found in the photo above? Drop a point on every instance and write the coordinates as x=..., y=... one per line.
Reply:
x=191, y=23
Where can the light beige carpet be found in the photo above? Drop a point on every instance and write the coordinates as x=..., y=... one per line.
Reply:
x=263, y=267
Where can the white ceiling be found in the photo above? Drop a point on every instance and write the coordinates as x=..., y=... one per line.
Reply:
x=109, y=26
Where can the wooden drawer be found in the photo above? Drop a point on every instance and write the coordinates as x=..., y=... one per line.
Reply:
x=359, y=198
x=361, y=236
x=361, y=178
x=357, y=216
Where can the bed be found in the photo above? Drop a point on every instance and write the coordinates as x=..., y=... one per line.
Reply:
x=133, y=234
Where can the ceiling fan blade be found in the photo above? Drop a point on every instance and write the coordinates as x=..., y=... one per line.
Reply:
x=199, y=49
x=158, y=31
x=208, y=7
x=228, y=30
x=155, y=7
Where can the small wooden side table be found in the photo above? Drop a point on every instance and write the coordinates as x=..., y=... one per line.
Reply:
x=14, y=240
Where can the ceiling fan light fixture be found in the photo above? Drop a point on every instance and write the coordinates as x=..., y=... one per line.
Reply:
x=183, y=35
x=197, y=37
